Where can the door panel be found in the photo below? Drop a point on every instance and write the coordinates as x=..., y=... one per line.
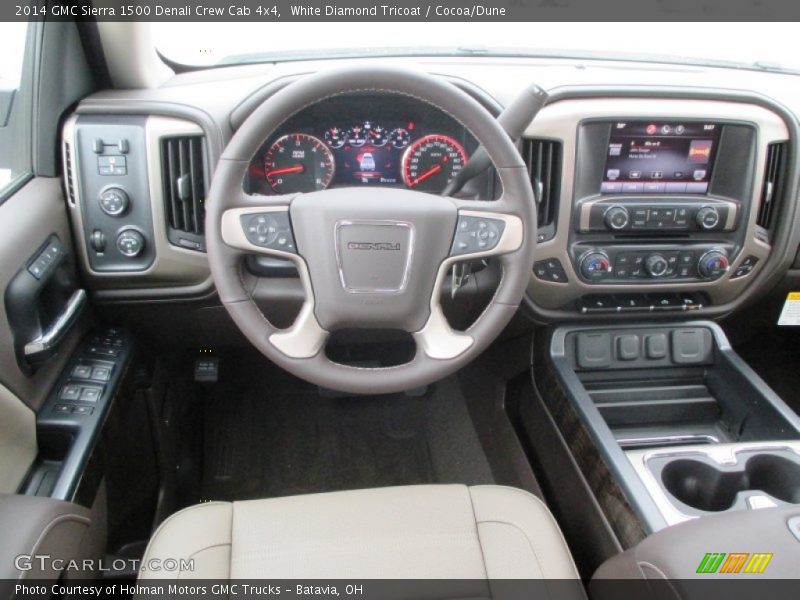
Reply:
x=28, y=219
x=17, y=441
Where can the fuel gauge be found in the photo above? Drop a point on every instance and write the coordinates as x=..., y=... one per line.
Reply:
x=335, y=137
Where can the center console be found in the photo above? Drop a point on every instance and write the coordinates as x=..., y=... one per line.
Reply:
x=684, y=426
x=660, y=201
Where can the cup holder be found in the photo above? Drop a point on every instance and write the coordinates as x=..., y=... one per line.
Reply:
x=704, y=485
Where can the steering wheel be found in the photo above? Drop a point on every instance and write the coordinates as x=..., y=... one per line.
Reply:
x=370, y=257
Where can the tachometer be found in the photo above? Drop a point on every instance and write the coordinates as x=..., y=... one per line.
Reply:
x=298, y=162
x=431, y=162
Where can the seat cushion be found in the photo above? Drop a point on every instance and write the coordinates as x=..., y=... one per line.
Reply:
x=421, y=532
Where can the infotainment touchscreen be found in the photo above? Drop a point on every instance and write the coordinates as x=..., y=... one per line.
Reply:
x=660, y=157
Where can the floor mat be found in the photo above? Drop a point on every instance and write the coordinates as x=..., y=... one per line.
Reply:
x=267, y=435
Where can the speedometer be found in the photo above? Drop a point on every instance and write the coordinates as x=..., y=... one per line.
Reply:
x=432, y=162
x=298, y=162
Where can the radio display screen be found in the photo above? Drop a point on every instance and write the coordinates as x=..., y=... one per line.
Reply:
x=657, y=157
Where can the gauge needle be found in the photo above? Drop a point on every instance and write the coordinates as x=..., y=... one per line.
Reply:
x=285, y=170
x=429, y=173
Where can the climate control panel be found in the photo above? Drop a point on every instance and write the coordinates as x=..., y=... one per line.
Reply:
x=642, y=264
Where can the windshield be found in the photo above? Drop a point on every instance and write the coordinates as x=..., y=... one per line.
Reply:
x=750, y=45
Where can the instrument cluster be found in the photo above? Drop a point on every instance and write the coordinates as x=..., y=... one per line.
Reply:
x=362, y=140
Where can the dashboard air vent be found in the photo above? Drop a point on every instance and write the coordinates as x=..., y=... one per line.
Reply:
x=68, y=173
x=543, y=158
x=185, y=185
x=772, y=189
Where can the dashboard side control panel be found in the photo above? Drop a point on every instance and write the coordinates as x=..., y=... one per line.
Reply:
x=111, y=167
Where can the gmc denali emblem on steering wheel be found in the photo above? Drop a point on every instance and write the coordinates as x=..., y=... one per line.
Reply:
x=377, y=266
x=372, y=246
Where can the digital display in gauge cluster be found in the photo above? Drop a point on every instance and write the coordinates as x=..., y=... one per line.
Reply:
x=400, y=143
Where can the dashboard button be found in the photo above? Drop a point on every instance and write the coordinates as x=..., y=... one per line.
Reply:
x=633, y=302
x=665, y=302
x=632, y=188
x=550, y=270
x=130, y=243
x=597, y=304
x=655, y=346
x=616, y=218
x=696, y=188
x=707, y=218
x=656, y=265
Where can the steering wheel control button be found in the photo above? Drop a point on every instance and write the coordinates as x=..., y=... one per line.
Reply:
x=713, y=264
x=269, y=230
x=476, y=234
x=114, y=201
x=130, y=243
x=550, y=270
x=595, y=265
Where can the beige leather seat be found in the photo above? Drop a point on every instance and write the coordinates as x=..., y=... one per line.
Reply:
x=421, y=532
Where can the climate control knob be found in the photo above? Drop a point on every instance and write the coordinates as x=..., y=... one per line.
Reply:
x=130, y=243
x=595, y=264
x=713, y=264
x=616, y=218
x=707, y=218
x=656, y=265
